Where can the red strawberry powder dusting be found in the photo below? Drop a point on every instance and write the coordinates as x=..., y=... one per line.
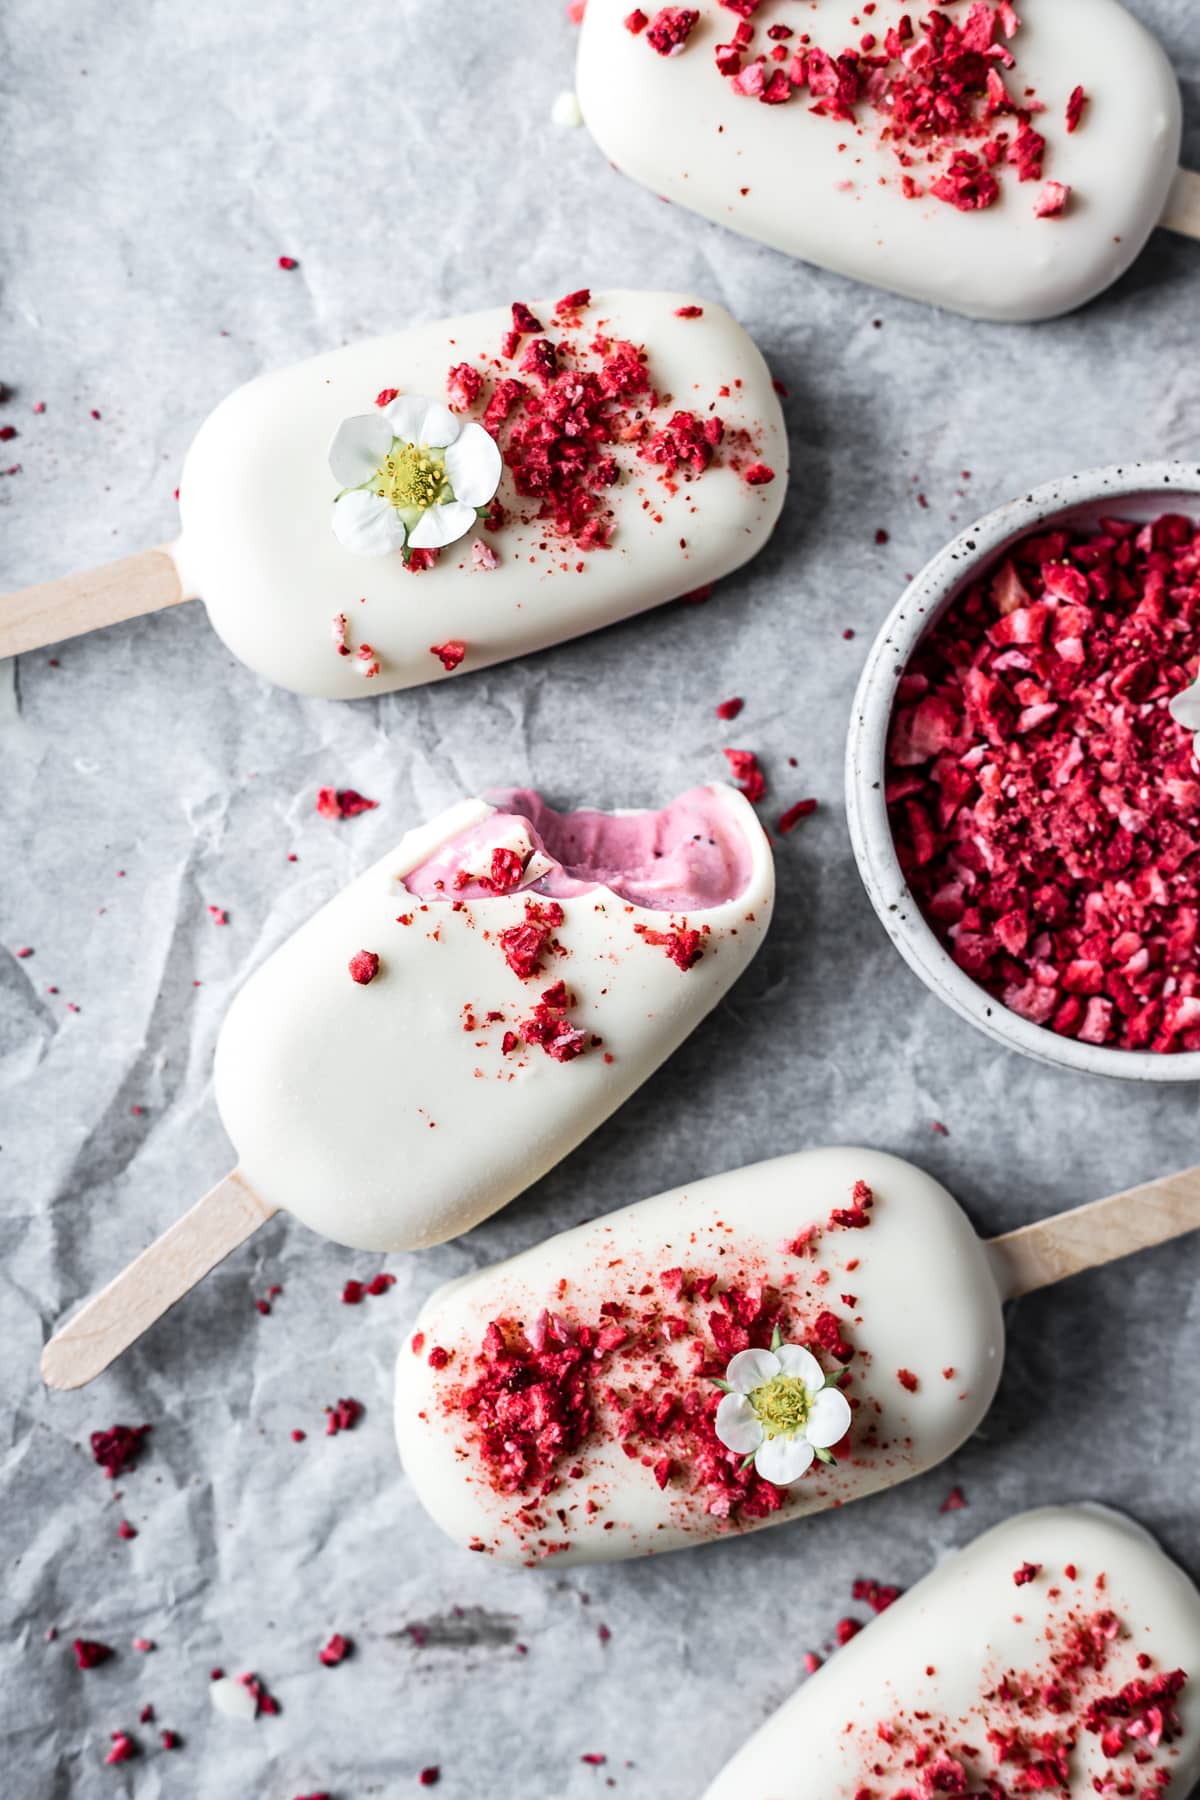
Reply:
x=1044, y=804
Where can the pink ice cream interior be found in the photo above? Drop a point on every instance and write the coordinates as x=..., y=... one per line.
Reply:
x=691, y=855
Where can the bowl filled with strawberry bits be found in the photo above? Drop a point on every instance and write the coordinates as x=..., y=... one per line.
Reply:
x=1022, y=786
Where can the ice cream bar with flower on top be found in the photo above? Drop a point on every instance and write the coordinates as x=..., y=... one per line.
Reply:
x=1059, y=1653
x=452, y=1024
x=459, y=493
x=1004, y=160
x=737, y=1353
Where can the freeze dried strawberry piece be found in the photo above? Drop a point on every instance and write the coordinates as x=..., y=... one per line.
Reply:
x=684, y=441
x=506, y=870
x=343, y=1417
x=1051, y=203
x=343, y=803
x=636, y=21
x=523, y=320
x=907, y=1380
x=449, y=654
x=827, y=1332
x=747, y=774
x=89, y=1654
x=118, y=1448
x=335, y=1651
x=1075, y=106
x=758, y=475
x=856, y=1216
x=417, y=562
x=966, y=183
x=363, y=967
x=878, y=1596
x=670, y=29
x=551, y=1029
x=124, y=1749
x=505, y=396
x=464, y=385
x=681, y=945
x=1026, y=1573
x=800, y=809
x=385, y=396
x=540, y=360
x=576, y=301
x=524, y=945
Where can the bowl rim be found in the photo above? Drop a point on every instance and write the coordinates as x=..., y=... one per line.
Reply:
x=927, y=596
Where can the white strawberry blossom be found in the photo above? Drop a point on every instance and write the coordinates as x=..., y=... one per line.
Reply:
x=412, y=477
x=781, y=1411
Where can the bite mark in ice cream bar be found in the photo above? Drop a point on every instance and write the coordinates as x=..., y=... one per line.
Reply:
x=455, y=1022
x=1008, y=161
x=545, y=470
x=740, y=1352
x=1081, y=1684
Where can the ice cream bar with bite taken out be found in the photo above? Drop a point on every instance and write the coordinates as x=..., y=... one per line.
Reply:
x=737, y=1353
x=452, y=1024
x=1007, y=161
x=459, y=493
x=1060, y=1653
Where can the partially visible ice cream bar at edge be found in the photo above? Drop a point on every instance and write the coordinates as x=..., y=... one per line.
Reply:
x=1005, y=161
x=468, y=1010
x=597, y=456
x=1059, y=1653
x=587, y=1399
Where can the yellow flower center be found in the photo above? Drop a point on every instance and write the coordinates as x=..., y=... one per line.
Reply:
x=411, y=476
x=782, y=1405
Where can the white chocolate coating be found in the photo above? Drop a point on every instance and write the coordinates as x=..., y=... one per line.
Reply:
x=375, y=1116
x=925, y=1301
x=256, y=496
x=674, y=124
x=940, y=1649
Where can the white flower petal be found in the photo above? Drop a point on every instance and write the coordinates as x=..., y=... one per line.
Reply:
x=828, y=1419
x=737, y=1425
x=750, y=1368
x=473, y=465
x=794, y=1359
x=1185, y=707
x=440, y=525
x=364, y=523
x=358, y=447
x=404, y=415
x=419, y=420
x=783, y=1460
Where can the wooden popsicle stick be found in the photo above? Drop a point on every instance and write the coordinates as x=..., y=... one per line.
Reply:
x=1182, y=211
x=54, y=610
x=166, y=1271
x=1037, y=1255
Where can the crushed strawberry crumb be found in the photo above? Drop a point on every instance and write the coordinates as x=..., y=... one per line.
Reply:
x=363, y=967
x=89, y=1654
x=343, y=803
x=449, y=654
x=801, y=809
x=343, y=1417
x=335, y=1651
x=670, y=29
x=1044, y=805
x=682, y=945
x=117, y=1449
x=747, y=774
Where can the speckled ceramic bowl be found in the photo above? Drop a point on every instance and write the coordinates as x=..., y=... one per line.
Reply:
x=1132, y=491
